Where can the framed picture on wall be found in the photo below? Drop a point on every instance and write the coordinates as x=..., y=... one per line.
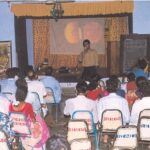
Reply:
x=5, y=56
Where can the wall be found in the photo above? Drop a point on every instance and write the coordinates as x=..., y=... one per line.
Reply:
x=141, y=25
x=141, y=17
x=7, y=31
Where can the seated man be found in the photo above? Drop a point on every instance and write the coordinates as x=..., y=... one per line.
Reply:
x=49, y=81
x=37, y=86
x=142, y=103
x=113, y=101
x=81, y=102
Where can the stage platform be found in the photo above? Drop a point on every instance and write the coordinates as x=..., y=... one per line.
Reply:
x=74, y=74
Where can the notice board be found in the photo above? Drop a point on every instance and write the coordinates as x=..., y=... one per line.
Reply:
x=132, y=48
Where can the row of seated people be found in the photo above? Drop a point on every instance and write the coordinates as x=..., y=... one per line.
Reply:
x=28, y=95
x=34, y=84
x=110, y=98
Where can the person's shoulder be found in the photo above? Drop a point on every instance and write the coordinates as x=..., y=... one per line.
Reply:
x=28, y=105
x=70, y=100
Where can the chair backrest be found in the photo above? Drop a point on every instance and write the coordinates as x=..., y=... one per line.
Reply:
x=77, y=129
x=87, y=116
x=34, y=99
x=3, y=141
x=144, y=128
x=144, y=112
x=50, y=98
x=10, y=96
x=126, y=137
x=81, y=144
x=20, y=124
x=111, y=120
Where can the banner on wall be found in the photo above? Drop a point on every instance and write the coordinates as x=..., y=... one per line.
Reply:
x=67, y=35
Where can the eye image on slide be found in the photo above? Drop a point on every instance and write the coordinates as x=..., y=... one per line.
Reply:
x=68, y=34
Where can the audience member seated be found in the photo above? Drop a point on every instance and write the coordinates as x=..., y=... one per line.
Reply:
x=34, y=85
x=119, y=91
x=39, y=130
x=113, y=101
x=131, y=89
x=49, y=81
x=4, y=103
x=8, y=84
x=141, y=66
x=80, y=102
x=95, y=90
x=140, y=81
x=142, y=103
x=20, y=105
x=57, y=142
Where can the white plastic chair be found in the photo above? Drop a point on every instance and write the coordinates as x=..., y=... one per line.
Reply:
x=81, y=144
x=144, y=112
x=20, y=124
x=144, y=130
x=77, y=129
x=126, y=138
x=10, y=96
x=88, y=117
x=110, y=121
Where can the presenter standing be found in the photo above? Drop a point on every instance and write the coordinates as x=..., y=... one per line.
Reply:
x=88, y=58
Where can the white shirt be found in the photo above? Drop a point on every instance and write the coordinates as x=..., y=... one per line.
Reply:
x=51, y=82
x=113, y=101
x=137, y=107
x=34, y=100
x=8, y=85
x=38, y=87
x=81, y=103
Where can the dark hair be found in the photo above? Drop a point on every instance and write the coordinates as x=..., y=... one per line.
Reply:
x=112, y=85
x=16, y=71
x=93, y=85
x=21, y=82
x=131, y=76
x=48, y=71
x=115, y=79
x=142, y=63
x=140, y=80
x=96, y=77
x=10, y=73
x=21, y=93
x=145, y=88
x=57, y=142
x=28, y=68
x=31, y=74
x=81, y=87
x=86, y=41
